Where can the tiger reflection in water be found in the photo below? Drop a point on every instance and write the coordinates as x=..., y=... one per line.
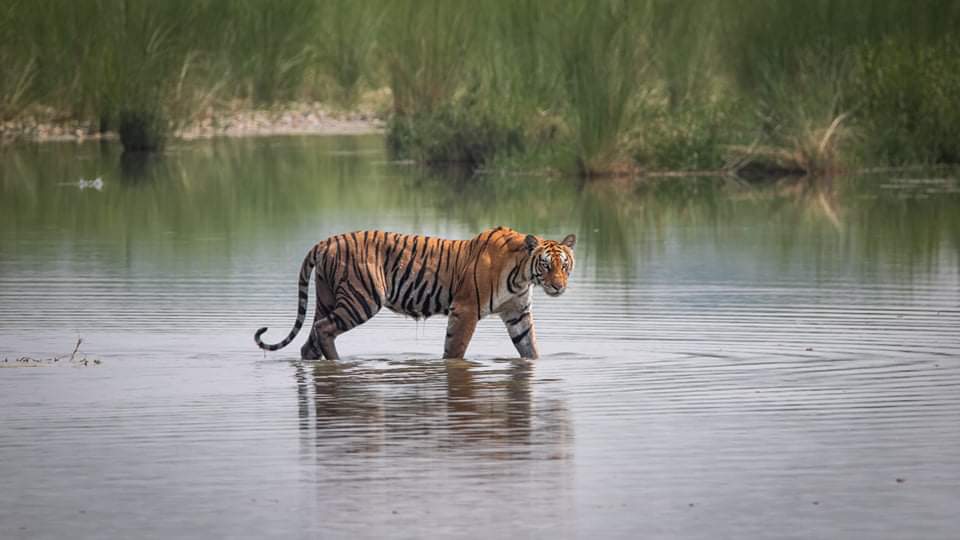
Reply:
x=376, y=405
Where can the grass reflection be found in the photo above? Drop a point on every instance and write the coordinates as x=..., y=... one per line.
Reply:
x=208, y=197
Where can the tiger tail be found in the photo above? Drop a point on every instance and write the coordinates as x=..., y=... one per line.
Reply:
x=306, y=270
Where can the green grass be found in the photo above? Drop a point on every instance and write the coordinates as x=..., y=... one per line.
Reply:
x=344, y=43
x=602, y=62
x=573, y=86
x=909, y=101
x=696, y=136
x=837, y=83
x=453, y=135
x=425, y=50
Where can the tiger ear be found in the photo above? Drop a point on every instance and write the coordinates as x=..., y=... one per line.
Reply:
x=569, y=241
x=531, y=242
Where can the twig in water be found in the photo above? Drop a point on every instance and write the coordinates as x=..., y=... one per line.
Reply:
x=75, y=349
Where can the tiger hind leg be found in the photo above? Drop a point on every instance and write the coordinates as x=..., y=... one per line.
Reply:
x=351, y=310
x=319, y=344
x=318, y=347
x=312, y=349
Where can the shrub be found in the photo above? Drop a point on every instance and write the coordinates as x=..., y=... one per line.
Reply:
x=691, y=137
x=910, y=101
x=453, y=134
x=142, y=130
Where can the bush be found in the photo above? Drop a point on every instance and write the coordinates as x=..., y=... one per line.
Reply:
x=910, y=109
x=694, y=137
x=142, y=130
x=453, y=134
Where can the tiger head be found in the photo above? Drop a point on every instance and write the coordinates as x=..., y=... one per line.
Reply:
x=551, y=262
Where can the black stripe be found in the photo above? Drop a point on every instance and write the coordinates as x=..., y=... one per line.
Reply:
x=451, y=246
x=338, y=321
x=406, y=273
x=433, y=297
x=437, y=307
x=338, y=256
x=407, y=302
x=415, y=299
x=387, y=252
x=476, y=264
x=363, y=275
x=426, y=281
x=400, y=251
x=442, y=249
x=493, y=290
x=418, y=281
x=522, y=316
x=358, y=296
x=510, y=277
x=396, y=268
x=462, y=246
x=519, y=337
x=423, y=291
x=344, y=303
x=437, y=278
x=408, y=296
x=329, y=259
x=375, y=295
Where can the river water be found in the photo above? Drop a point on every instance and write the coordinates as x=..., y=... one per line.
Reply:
x=729, y=361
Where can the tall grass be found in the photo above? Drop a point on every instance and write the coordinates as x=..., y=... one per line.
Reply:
x=344, y=41
x=562, y=74
x=681, y=36
x=602, y=62
x=589, y=88
x=426, y=51
x=141, y=67
x=18, y=61
x=828, y=78
x=267, y=45
x=910, y=101
x=434, y=63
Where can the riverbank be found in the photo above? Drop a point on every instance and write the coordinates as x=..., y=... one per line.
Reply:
x=236, y=120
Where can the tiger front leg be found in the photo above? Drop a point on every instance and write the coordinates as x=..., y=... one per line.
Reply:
x=460, y=327
x=519, y=325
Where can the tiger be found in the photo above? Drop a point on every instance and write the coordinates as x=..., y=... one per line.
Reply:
x=359, y=273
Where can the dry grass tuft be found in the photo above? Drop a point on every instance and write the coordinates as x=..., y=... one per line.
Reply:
x=812, y=152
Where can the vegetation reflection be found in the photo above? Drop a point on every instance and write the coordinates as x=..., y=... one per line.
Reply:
x=217, y=196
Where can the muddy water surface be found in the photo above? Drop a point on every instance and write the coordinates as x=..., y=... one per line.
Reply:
x=730, y=361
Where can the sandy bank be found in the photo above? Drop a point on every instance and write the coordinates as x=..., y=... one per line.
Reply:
x=291, y=119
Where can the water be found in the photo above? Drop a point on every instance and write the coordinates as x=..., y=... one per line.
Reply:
x=730, y=361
